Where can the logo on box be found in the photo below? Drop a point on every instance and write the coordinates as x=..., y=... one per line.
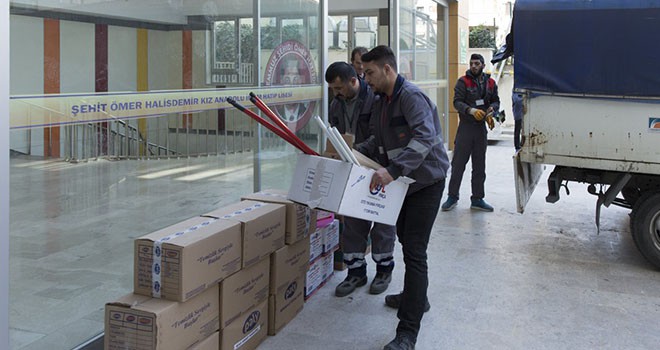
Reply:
x=251, y=321
x=379, y=188
x=290, y=290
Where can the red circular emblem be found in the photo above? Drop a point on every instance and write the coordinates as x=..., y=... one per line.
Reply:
x=292, y=64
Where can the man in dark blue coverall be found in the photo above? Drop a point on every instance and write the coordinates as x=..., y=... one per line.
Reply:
x=407, y=140
x=476, y=100
x=350, y=112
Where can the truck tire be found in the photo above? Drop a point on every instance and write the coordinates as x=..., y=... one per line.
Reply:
x=646, y=227
x=631, y=194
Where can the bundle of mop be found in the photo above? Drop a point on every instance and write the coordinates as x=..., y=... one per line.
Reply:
x=278, y=127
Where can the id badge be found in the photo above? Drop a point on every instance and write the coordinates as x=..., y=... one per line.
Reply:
x=480, y=102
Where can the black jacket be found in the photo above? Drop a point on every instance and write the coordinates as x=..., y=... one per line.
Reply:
x=361, y=113
x=469, y=90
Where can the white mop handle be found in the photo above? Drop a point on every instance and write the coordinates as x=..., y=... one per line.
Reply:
x=333, y=140
x=344, y=146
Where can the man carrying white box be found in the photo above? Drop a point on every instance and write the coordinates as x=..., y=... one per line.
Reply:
x=407, y=140
x=350, y=112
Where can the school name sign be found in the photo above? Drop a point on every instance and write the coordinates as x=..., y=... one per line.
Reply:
x=53, y=110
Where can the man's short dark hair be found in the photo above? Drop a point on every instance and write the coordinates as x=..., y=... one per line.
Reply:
x=342, y=70
x=360, y=49
x=476, y=56
x=381, y=55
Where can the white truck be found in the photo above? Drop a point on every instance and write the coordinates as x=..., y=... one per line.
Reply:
x=591, y=83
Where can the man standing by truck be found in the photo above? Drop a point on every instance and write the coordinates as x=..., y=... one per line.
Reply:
x=407, y=140
x=476, y=100
x=350, y=112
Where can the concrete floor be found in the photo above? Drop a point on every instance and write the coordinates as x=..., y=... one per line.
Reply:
x=502, y=280
x=542, y=280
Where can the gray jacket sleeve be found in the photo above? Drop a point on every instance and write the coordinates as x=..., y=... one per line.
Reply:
x=419, y=115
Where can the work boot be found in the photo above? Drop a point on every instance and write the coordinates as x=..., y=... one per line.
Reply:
x=380, y=282
x=450, y=203
x=394, y=301
x=349, y=284
x=480, y=204
x=402, y=341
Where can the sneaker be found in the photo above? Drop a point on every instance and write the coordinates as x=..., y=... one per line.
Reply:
x=380, y=283
x=450, y=203
x=349, y=284
x=480, y=204
x=394, y=301
x=402, y=341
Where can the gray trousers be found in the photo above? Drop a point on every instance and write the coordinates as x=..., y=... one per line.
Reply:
x=471, y=141
x=354, y=242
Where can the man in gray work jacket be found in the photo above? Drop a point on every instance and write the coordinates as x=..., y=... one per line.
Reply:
x=476, y=100
x=407, y=140
x=350, y=111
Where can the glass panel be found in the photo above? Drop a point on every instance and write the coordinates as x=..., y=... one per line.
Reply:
x=418, y=41
x=365, y=31
x=337, y=38
x=422, y=50
x=292, y=59
x=101, y=92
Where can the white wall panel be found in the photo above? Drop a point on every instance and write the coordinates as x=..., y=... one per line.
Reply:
x=199, y=59
x=122, y=59
x=165, y=60
x=26, y=73
x=27, y=55
x=76, y=57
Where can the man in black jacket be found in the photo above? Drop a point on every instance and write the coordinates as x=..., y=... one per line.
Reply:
x=350, y=111
x=476, y=100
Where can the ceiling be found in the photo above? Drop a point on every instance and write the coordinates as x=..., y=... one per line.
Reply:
x=177, y=11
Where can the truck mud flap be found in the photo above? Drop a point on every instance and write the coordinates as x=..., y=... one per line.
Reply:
x=526, y=177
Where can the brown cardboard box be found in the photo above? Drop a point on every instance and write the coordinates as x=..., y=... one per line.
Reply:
x=140, y=322
x=247, y=332
x=300, y=219
x=194, y=255
x=243, y=290
x=288, y=267
x=263, y=227
x=210, y=343
x=330, y=150
x=282, y=308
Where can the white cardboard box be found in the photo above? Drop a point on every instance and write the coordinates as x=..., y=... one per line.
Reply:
x=315, y=244
x=343, y=188
x=331, y=237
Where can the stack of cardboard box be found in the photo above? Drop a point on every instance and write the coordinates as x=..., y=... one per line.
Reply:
x=324, y=241
x=288, y=265
x=203, y=283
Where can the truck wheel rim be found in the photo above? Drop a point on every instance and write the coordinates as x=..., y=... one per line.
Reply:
x=654, y=229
